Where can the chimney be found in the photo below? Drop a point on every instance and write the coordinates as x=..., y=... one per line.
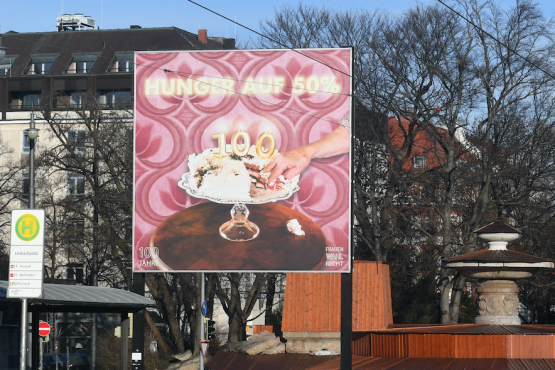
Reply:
x=203, y=36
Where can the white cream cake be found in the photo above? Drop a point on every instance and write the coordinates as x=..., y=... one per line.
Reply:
x=231, y=177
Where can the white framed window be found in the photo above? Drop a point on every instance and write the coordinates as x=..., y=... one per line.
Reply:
x=75, y=185
x=419, y=161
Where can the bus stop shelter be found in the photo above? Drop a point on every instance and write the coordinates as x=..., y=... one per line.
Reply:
x=65, y=298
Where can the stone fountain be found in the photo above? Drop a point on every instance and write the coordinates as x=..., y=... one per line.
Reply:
x=496, y=269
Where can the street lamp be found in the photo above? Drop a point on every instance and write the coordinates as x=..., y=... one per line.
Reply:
x=32, y=135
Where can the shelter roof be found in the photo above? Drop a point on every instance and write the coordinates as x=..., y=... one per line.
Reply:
x=77, y=298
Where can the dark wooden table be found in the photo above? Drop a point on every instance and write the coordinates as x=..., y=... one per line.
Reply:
x=190, y=241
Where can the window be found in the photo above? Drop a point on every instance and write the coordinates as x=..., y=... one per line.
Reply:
x=25, y=100
x=110, y=99
x=75, y=231
x=40, y=64
x=25, y=146
x=77, y=139
x=6, y=64
x=71, y=99
x=74, y=271
x=76, y=185
x=81, y=63
x=419, y=161
x=122, y=62
x=25, y=184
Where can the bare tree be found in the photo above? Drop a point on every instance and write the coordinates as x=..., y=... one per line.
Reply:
x=10, y=192
x=238, y=297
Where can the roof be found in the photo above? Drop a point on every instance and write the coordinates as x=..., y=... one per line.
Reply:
x=497, y=256
x=497, y=227
x=470, y=329
x=425, y=144
x=104, y=42
x=291, y=361
x=76, y=298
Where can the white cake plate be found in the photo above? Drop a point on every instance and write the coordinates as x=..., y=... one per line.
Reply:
x=239, y=228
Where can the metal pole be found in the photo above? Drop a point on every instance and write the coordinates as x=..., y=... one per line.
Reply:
x=24, y=321
x=124, y=340
x=138, y=341
x=32, y=166
x=23, y=342
x=201, y=363
x=346, y=362
x=40, y=353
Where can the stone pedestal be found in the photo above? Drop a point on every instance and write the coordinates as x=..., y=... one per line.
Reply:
x=497, y=303
x=312, y=342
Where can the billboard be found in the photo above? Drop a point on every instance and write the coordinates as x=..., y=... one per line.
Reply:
x=242, y=161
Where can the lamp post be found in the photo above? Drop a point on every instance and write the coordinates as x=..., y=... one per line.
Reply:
x=32, y=134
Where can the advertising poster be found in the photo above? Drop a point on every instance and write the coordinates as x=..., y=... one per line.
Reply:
x=219, y=139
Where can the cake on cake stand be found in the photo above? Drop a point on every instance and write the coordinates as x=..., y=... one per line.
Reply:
x=239, y=228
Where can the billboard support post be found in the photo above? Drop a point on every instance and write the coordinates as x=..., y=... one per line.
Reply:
x=138, y=341
x=346, y=362
x=201, y=318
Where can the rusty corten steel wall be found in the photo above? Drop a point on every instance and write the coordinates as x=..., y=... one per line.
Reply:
x=361, y=344
x=460, y=346
x=531, y=346
x=312, y=301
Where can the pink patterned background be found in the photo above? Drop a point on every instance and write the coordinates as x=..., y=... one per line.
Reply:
x=169, y=128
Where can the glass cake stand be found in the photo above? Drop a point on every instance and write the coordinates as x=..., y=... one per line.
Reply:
x=239, y=228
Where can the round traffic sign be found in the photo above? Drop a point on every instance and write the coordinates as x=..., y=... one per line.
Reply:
x=44, y=329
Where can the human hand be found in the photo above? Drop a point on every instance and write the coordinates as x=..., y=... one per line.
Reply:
x=289, y=164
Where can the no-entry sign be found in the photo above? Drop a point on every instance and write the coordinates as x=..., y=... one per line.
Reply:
x=44, y=329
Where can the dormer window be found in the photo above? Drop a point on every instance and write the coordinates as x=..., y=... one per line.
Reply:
x=419, y=162
x=40, y=64
x=6, y=64
x=81, y=63
x=123, y=62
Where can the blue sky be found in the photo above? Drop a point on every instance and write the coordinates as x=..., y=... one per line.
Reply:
x=40, y=15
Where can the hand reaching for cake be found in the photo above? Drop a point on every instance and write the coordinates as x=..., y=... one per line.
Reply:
x=291, y=163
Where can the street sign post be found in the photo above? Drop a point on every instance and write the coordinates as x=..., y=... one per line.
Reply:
x=44, y=329
x=203, y=348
